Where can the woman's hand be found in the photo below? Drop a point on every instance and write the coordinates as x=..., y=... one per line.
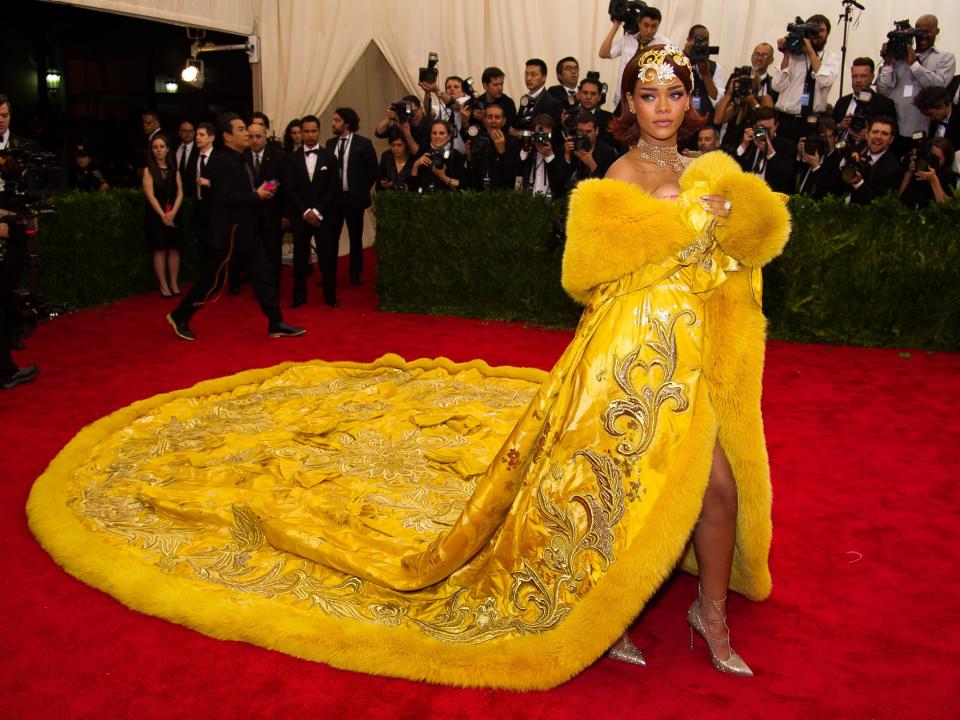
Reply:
x=929, y=176
x=441, y=173
x=716, y=205
x=168, y=218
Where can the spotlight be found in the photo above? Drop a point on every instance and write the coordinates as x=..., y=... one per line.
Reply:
x=171, y=86
x=53, y=79
x=192, y=73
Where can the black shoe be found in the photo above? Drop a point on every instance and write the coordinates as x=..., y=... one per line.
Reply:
x=21, y=376
x=281, y=329
x=331, y=303
x=17, y=344
x=355, y=280
x=180, y=327
x=299, y=298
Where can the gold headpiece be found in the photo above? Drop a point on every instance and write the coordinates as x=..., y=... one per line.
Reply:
x=654, y=68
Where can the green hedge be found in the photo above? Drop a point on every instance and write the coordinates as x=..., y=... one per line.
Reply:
x=92, y=249
x=877, y=275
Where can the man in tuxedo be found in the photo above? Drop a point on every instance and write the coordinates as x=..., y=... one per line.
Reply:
x=358, y=170
x=568, y=75
x=936, y=104
x=883, y=172
x=186, y=156
x=537, y=101
x=820, y=171
x=589, y=96
x=234, y=227
x=575, y=165
x=534, y=159
x=311, y=189
x=150, y=123
x=203, y=140
x=863, y=102
x=269, y=163
x=762, y=153
x=491, y=152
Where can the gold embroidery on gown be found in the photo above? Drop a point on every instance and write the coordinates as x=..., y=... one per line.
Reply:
x=471, y=505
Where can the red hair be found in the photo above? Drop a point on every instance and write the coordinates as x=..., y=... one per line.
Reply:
x=624, y=126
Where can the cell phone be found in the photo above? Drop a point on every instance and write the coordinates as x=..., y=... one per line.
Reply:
x=271, y=185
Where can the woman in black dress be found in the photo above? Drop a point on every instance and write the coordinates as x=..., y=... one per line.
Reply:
x=439, y=167
x=163, y=189
x=395, y=166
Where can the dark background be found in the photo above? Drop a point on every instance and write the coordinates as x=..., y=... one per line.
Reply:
x=112, y=68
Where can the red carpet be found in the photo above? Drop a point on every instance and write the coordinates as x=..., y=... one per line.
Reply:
x=863, y=445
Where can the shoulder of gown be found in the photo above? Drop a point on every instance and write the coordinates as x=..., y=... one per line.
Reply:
x=759, y=224
x=614, y=228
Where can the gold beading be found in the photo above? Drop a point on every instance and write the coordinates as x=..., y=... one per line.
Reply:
x=654, y=68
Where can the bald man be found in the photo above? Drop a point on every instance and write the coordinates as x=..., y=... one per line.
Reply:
x=924, y=66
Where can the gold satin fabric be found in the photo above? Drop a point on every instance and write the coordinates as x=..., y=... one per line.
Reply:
x=470, y=504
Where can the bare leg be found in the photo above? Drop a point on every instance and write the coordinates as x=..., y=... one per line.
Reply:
x=173, y=263
x=713, y=541
x=160, y=270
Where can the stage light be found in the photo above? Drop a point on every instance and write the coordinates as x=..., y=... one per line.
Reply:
x=53, y=79
x=192, y=73
x=171, y=86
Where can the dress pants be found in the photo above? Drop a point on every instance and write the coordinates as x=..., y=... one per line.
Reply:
x=354, y=220
x=211, y=279
x=272, y=234
x=327, y=249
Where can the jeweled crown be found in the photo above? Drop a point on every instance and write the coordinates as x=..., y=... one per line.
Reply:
x=654, y=68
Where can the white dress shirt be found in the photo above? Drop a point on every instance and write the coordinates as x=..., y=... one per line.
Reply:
x=311, y=161
x=4, y=142
x=200, y=163
x=183, y=150
x=901, y=83
x=541, y=186
x=790, y=81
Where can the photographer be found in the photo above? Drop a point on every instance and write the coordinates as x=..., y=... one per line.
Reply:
x=806, y=74
x=535, y=155
x=818, y=151
x=585, y=155
x=9, y=141
x=708, y=76
x=875, y=171
x=763, y=153
x=491, y=152
x=639, y=30
x=937, y=107
x=408, y=117
x=537, y=101
x=748, y=88
x=568, y=75
x=906, y=70
x=853, y=112
x=492, y=81
x=930, y=176
x=589, y=97
x=11, y=234
x=439, y=167
x=395, y=166
x=448, y=107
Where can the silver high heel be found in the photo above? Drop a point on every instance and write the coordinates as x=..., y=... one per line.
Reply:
x=628, y=653
x=734, y=665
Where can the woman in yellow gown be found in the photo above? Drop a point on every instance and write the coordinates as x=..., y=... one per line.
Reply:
x=458, y=523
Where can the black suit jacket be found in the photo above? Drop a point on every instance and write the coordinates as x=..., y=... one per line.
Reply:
x=560, y=93
x=362, y=171
x=568, y=174
x=501, y=169
x=546, y=104
x=953, y=128
x=882, y=177
x=231, y=201
x=18, y=142
x=879, y=105
x=823, y=181
x=189, y=174
x=273, y=166
x=781, y=169
x=320, y=193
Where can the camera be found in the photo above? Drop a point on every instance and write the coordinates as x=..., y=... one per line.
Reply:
x=814, y=142
x=541, y=137
x=797, y=32
x=701, y=49
x=582, y=142
x=628, y=13
x=430, y=73
x=900, y=39
x=403, y=110
x=570, y=123
x=852, y=165
x=439, y=157
x=30, y=177
x=759, y=132
x=479, y=141
x=526, y=140
x=924, y=159
x=861, y=116
x=742, y=81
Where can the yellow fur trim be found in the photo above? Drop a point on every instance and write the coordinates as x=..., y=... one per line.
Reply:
x=613, y=228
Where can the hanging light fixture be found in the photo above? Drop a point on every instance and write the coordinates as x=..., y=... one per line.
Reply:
x=192, y=73
x=53, y=79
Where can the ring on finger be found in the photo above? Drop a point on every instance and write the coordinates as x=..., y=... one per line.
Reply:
x=727, y=205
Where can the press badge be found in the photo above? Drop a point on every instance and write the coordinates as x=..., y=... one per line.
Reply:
x=804, y=99
x=908, y=91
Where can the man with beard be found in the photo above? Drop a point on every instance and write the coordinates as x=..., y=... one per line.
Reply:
x=882, y=172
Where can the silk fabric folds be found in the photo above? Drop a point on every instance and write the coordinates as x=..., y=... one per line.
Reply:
x=455, y=523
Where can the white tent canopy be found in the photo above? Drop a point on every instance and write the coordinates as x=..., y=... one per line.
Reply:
x=308, y=47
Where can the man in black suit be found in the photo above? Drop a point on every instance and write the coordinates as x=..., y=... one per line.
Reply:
x=862, y=103
x=185, y=157
x=537, y=101
x=762, y=153
x=883, y=172
x=358, y=171
x=936, y=104
x=311, y=187
x=820, y=167
x=203, y=140
x=492, y=81
x=491, y=153
x=9, y=141
x=575, y=165
x=568, y=74
x=234, y=227
x=589, y=95
x=269, y=162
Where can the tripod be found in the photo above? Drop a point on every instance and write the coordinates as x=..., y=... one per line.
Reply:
x=845, y=19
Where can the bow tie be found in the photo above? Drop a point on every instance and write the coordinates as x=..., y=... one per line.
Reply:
x=311, y=152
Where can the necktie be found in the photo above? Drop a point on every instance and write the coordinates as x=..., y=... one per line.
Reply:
x=341, y=148
x=253, y=182
x=183, y=159
x=309, y=152
x=256, y=164
x=203, y=164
